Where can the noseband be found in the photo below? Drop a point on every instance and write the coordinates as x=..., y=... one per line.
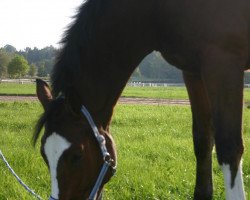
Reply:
x=108, y=162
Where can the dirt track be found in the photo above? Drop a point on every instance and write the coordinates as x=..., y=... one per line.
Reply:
x=18, y=98
x=152, y=101
x=122, y=100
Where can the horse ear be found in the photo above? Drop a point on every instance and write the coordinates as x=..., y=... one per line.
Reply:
x=43, y=93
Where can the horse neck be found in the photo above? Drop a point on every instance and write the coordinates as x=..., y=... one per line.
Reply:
x=106, y=55
x=100, y=94
x=103, y=82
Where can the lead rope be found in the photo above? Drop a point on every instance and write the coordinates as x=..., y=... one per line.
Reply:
x=18, y=179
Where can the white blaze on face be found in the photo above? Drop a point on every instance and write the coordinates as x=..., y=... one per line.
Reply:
x=54, y=147
x=237, y=191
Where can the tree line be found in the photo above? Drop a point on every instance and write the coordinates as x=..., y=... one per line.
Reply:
x=26, y=63
x=154, y=68
x=39, y=62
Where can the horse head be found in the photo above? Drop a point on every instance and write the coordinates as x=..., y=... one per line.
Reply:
x=69, y=148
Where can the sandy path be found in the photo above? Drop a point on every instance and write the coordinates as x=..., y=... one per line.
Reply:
x=122, y=100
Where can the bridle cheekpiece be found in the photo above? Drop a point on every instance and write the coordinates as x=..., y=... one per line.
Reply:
x=108, y=161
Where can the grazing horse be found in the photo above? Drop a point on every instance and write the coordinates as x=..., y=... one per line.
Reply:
x=208, y=40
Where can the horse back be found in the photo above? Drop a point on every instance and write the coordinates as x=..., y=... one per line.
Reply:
x=188, y=27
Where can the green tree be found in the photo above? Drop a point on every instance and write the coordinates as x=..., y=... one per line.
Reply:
x=32, y=70
x=41, y=72
x=3, y=71
x=39, y=57
x=155, y=68
x=18, y=67
x=4, y=61
x=10, y=49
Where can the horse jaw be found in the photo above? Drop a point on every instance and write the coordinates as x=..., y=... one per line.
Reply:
x=235, y=192
x=54, y=147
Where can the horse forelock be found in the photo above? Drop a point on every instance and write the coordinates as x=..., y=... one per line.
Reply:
x=54, y=105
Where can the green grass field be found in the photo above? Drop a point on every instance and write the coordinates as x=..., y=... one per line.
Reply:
x=155, y=153
x=148, y=92
x=156, y=92
x=17, y=89
x=129, y=91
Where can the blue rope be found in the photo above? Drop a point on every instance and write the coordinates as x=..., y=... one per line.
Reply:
x=18, y=179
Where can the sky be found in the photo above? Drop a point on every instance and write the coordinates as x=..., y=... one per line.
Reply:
x=35, y=23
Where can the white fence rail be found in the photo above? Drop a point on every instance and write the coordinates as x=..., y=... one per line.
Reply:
x=142, y=84
x=133, y=84
x=21, y=81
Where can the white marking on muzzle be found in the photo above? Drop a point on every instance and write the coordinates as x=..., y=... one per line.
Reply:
x=54, y=147
x=237, y=191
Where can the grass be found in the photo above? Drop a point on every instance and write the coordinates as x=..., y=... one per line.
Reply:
x=148, y=92
x=129, y=91
x=155, y=153
x=17, y=89
x=16, y=125
x=156, y=92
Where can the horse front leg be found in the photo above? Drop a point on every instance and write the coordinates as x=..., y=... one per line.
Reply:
x=222, y=73
x=203, y=136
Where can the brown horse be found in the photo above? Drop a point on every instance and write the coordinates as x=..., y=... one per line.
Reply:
x=208, y=40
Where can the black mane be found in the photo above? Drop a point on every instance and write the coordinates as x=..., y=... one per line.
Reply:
x=67, y=68
x=75, y=46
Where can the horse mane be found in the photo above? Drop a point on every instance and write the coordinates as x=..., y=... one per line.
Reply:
x=68, y=67
x=76, y=42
